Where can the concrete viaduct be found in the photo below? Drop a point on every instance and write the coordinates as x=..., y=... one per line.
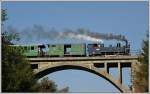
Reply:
x=97, y=65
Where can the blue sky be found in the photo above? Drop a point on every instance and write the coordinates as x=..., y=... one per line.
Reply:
x=126, y=18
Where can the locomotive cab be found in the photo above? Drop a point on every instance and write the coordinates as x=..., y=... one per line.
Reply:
x=94, y=49
x=127, y=49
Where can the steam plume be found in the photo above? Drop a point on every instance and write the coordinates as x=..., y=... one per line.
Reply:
x=93, y=36
x=38, y=32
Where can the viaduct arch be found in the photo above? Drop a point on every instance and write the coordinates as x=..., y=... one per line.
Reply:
x=44, y=66
x=50, y=69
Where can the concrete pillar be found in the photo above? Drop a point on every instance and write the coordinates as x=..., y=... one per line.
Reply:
x=119, y=73
x=90, y=66
x=133, y=69
x=106, y=67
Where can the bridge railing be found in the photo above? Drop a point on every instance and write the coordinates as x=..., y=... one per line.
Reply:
x=135, y=52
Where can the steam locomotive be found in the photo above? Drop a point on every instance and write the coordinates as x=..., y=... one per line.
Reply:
x=64, y=50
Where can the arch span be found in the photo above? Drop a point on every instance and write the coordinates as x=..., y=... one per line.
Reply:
x=53, y=68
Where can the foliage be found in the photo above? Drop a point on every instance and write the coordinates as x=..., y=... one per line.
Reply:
x=146, y=50
x=142, y=79
x=17, y=75
x=47, y=85
x=64, y=90
x=3, y=15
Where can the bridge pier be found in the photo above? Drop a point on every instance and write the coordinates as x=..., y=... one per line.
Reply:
x=134, y=68
x=119, y=73
x=106, y=68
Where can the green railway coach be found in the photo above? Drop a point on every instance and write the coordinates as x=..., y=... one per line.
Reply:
x=74, y=50
x=27, y=50
x=61, y=50
x=55, y=50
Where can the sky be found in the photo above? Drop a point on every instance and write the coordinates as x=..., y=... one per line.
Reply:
x=125, y=18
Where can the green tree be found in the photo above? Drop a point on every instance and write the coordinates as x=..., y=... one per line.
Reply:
x=17, y=75
x=46, y=85
x=142, y=79
x=64, y=90
x=3, y=15
x=145, y=64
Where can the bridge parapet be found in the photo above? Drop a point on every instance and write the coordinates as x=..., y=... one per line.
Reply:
x=82, y=58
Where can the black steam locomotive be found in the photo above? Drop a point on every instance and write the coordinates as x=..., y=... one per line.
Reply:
x=100, y=49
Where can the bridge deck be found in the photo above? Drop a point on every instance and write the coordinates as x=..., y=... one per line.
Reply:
x=82, y=58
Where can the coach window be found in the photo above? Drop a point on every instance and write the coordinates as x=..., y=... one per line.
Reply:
x=95, y=45
x=25, y=48
x=67, y=49
x=32, y=48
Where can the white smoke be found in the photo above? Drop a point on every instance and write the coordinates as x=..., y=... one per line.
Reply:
x=84, y=37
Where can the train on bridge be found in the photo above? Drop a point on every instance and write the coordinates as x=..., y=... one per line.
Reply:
x=64, y=50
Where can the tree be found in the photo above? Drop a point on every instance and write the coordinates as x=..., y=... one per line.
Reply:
x=142, y=79
x=47, y=85
x=3, y=15
x=64, y=90
x=17, y=75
